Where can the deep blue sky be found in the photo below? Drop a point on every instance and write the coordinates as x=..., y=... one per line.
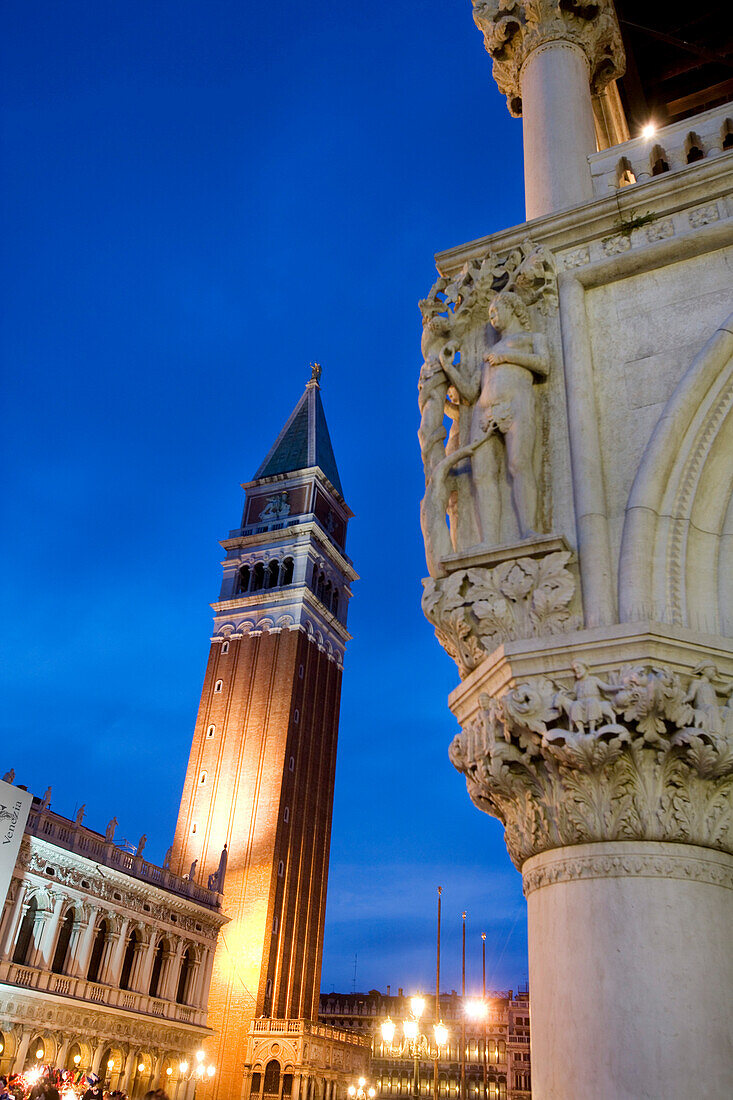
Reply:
x=203, y=196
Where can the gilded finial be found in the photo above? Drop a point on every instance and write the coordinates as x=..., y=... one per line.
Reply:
x=315, y=372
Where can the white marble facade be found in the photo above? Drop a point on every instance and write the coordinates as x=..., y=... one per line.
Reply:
x=578, y=522
x=104, y=958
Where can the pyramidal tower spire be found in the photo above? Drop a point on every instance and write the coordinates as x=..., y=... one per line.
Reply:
x=260, y=776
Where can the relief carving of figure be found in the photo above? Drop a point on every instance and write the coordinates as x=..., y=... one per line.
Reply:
x=506, y=406
x=701, y=694
x=588, y=708
x=438, y=490
x=276, y=507
x=477, y=388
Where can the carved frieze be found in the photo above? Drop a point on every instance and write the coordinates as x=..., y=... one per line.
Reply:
x=512, y=29
x=631, y=755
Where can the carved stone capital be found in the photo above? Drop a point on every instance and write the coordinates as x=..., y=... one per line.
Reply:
x=513, y=30
x=631, y=753
x=478, y=607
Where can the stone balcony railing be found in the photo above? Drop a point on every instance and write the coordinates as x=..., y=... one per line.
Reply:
x=669, y=149
x=79, y=989
x=74, y=837
x=308, y=1027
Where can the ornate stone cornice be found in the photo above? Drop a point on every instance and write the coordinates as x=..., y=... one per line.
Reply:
x=628, y=860
x=630, y=754
x=513, y=30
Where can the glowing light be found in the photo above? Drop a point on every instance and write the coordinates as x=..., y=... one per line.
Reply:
x=199, y=1055
x=211, y=1070
x=417, y=1004
x=476, y=1010
x=649, y=130
x=169, y=1071
x=33, y=1076
x=362, y=1082
x=77, y=1059
x=200, y=1069
x=351, y=1090
x=371, y=1093
x=441, y=1034
x=140, y=1068
x=111, y=1064
x=183, y=1066
x=39, y=1052
x=410, y=1029
x=387, y=1031
x=68, y=1094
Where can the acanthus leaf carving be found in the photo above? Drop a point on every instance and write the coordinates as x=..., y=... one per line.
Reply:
x=512, y=29
x=612, y=758
x=477, y=609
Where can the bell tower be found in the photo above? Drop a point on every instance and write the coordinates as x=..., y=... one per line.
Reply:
x=260, y=776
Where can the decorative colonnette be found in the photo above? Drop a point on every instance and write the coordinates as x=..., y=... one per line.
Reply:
x=637, y=755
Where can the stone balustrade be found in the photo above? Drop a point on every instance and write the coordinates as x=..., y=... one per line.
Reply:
x=669, y=149
x=308, y=1027
x=74, y=837
x=62, y=985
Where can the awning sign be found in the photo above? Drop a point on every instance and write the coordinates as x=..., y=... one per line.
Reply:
x=14, y=809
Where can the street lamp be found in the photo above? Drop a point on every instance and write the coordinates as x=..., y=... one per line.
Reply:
x=359, y=1091
x=197, y=1072
x=413, y=1042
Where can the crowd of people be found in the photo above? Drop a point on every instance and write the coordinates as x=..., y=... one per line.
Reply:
x=49, y=1083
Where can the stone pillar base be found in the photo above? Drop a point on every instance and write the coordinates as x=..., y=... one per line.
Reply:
x=631, y=971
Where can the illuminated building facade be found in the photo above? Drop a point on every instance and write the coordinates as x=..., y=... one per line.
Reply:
x=260, y=776
x=496, y=1048
x=105, y=960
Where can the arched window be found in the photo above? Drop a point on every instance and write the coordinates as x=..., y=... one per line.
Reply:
x=501, y=1051
x=224, y=648
x=335, y=602
x=288, y=571
x=25, y=936
x=128, y=960
x=211, y=731
x=157, y=968
x=624, y=173
x=658, y=161
x=202, y=779
x=218, y=686
x=726, y=133
x=186, y=964
x=243, y=579
x=272, y=1078
x=272, y=574
x=258, y=577
x=693, y=148
x=97, y=952
x=58, y=966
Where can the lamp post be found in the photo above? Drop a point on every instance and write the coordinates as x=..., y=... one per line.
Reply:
x=413, y=1041
x=199, y=1073
x=360, y=1091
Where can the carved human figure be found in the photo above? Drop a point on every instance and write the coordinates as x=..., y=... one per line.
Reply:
x=192, y=871
x=9, y=776
x=433, y=509
x=80, y=813
x=141, y=845
x=167, y=859
x=46, y=801
x=276, y=506
x=506, y=406
x=588, y=707
x=110, y=831
x=701, y=693
x=432, y=388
